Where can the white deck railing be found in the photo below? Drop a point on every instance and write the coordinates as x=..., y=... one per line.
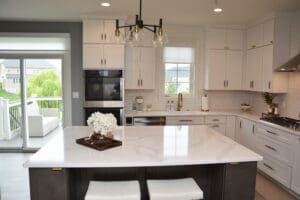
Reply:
x=10, y=114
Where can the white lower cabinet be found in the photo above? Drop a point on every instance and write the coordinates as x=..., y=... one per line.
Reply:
x=230, y=127
x=218, y=123
x=245, y=133
x=296, y=167
x=279, y=171
x=184, y=120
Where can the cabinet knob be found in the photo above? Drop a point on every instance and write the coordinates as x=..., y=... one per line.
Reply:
x=271, y=41
x=101, y=61
x=269, y=84
x=105, y=36
x=253, y=46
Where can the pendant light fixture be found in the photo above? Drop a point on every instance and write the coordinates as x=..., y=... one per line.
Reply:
x=136, y=30
x=217, y=8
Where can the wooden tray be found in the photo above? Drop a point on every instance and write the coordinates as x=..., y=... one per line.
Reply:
x=99, y=145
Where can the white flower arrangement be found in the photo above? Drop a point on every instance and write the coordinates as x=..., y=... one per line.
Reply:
x=102, y=123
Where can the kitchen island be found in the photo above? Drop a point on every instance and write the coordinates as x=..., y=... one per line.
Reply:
x=222, y=168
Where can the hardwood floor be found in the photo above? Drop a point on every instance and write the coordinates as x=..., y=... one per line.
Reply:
x=15, y=185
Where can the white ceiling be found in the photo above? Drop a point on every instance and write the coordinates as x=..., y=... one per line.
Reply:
x=190, y=12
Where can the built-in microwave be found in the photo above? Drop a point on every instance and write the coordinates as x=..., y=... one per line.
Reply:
x=104, y=88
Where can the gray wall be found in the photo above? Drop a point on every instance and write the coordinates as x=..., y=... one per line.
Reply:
x=77, y=75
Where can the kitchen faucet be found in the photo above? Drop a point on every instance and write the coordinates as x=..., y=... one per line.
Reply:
x=179, y=104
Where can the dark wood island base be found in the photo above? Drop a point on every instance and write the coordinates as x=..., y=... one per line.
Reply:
x=234, y=181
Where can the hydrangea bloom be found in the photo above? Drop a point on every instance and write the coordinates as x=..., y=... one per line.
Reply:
x=102, y=123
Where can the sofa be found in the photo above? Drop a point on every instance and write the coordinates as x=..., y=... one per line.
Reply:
x=41, y=121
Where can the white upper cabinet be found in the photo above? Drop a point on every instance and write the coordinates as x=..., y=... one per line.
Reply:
x=224, y=63
x=216, y=38
x=253, y=72
x=224, y=70
x=92, y=56
x=216, y=70
x=140, y=68
x=234, y=70
x=99, y=56
x=255, y=36
x=92, y=31
x=101, y=50
x=268, y=32
x=268, y=48
x=220, y=38
x=99, y=31
x=234, y=39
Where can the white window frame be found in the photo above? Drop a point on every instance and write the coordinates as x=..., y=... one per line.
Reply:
x=192, y=75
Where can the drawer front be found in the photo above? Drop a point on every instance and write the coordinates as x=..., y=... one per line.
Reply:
x=186, y=120
x=277, y=149
x=221, y=128
x=279, y=171
x=215, y=119
x=274, y=133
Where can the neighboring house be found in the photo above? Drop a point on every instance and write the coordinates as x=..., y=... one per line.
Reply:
x=10, y=72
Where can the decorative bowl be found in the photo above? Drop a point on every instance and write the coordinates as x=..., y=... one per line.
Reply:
x=245, y=108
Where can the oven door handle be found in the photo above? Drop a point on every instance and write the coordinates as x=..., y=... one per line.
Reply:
x=122, y=89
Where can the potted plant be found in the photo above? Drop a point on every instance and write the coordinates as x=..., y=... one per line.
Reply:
x=268, y=97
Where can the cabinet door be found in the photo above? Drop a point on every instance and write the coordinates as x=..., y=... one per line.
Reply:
x=267, y=69
x=268, y=32
x=92, y=31
x=109, y=32
x=92, y=56
x=255, y=36
x=230, y=127
x=216, y=38
x=113, y=56
x=216, y=70
x=234, y=39
x=147, y=67
x=234, y=70
x=296, y=167
x=247, y=137
x=253, y=71
x=132, y=70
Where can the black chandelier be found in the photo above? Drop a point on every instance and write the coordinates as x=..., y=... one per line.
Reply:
x=134, y=29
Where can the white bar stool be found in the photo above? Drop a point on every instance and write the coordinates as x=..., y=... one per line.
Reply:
x=113, y=190
x=174, y=189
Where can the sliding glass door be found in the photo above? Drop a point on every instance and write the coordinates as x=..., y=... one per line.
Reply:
x=30, y=101
x=10, y=104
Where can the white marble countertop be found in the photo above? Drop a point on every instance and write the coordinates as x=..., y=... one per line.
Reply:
x=247, y=115
x=143, y=146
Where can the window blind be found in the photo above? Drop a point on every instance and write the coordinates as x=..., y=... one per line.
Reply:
x=35, y=42
x=178, y=55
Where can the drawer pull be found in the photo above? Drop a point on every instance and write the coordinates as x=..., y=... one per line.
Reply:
x=215, y=126
x=215, y=120
x=272, y=148
x=272, y=132
x=185, y=120
x=269, y=167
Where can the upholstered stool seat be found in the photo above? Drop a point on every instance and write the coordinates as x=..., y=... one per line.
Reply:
x=113, y=190
x=174, y=189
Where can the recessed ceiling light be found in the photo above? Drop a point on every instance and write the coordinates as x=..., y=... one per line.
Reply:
x=218, y=10
x=105, y=4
